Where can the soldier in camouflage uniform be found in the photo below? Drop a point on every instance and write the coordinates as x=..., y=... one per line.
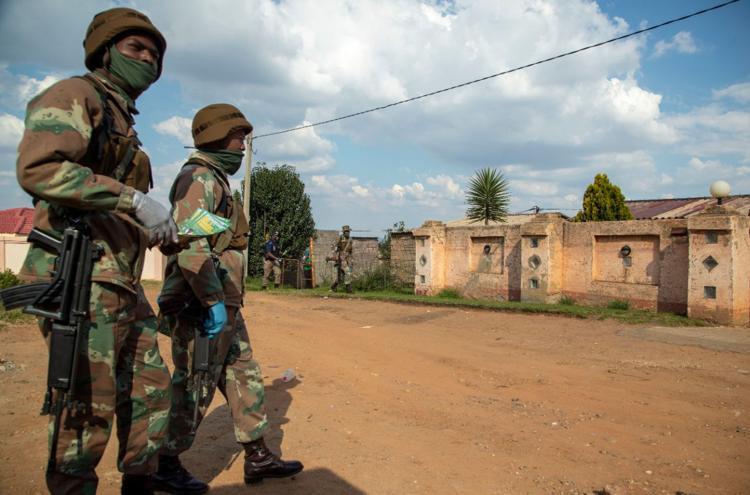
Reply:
x=203, y=291
x=343, y=263
x=80, y=159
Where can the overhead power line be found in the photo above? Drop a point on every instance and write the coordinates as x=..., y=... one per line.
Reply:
x=539, y=62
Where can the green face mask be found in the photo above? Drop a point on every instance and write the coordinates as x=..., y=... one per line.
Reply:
x=135, y=73
x=229, y=161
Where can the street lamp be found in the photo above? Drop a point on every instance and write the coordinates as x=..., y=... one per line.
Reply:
x=720, y=189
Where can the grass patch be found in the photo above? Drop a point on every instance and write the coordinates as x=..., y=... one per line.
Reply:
x=618, y=304
x=406, y=296
x=567, y=301
x=449, y=293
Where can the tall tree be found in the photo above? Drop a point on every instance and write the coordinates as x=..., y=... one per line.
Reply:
x=603, y=201
x=278, y=202
x=488, y=196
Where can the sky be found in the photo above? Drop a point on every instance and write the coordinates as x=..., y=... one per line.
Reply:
x=663, y=114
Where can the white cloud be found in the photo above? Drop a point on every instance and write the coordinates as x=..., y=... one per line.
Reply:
x=306, y=150
x=17, y=89
x=701, y=165
x=714, y=131
x=11, y=130
x=360, y=191
x=743, y=170
x=448, y=187
x=681, y=42
x=178, y=127
x=739, y=92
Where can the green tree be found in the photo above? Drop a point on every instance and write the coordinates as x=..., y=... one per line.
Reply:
x=278, y=202
x=384, y=246
x=603, y=201
x=488, y=196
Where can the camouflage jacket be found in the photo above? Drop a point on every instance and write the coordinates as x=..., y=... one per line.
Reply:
x=211, y=272
x=344, y=248
x=79, y=153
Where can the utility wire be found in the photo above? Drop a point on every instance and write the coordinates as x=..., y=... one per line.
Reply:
x=539, y=62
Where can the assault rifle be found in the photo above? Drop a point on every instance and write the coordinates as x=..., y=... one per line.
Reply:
x=201, y=368
x=192, y=311
x=64, y=302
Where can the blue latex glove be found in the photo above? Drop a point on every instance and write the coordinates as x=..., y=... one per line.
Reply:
x=215, y=320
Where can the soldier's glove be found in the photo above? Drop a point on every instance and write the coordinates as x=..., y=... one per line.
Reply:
x=152, y=215
x=215, y=320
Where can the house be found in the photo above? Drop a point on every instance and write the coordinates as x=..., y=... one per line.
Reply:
x=15, y=225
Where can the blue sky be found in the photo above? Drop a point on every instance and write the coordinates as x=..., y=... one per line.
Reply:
x=663, y=114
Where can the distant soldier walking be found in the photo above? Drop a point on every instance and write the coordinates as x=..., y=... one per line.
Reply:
x=203, y=292
x=343, y=260
x=80, y=159
x=272, y=261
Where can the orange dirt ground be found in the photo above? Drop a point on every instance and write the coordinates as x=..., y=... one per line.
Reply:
x=400, y=399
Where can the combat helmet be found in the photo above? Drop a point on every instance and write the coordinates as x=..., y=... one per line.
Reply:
x=107, y=25
x=216, y=121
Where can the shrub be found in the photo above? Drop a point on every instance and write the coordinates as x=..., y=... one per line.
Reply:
x=618, y=304
x=377, y=278
x=567, y=301
x=449, y=293
x=8, y=279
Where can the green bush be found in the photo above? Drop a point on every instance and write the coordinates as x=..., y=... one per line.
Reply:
x=617, y=304
x=8, y=279
x=377, y=278
x=567, y=301
x=449, y=293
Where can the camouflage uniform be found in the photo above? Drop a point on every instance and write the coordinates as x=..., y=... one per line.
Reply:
x=344, y=259
x=208, y=272
x=71, y=156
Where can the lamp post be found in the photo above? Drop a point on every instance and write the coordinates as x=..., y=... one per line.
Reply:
x=720, y=189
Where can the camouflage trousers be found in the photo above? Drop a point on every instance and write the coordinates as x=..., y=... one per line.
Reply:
x=121, y=374
x=233, y=371
x=344, y=272
x=271, y=267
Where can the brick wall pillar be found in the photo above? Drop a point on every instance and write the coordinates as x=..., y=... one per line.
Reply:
x=430, y=259
x=542, y=258
x=719, y=266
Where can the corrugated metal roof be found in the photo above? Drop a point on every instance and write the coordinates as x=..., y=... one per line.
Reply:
x=683, y=207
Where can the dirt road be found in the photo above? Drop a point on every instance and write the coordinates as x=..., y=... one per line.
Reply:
x=396, y=399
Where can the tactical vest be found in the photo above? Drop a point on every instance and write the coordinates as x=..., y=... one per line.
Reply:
x=112, y=153
x=235, y=237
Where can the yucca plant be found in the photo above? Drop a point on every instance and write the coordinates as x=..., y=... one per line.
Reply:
x=488, y=196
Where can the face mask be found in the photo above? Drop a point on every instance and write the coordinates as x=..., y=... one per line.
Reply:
x=135, y=73
x=228, y=160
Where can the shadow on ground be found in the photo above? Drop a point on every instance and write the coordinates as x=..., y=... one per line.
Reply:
x=216, y=449
x=312, y=482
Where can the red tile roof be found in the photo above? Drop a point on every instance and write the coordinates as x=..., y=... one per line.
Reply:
x=683, y=207
x=16, y=221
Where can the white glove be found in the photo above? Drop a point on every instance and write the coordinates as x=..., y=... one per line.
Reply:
x=157, y=219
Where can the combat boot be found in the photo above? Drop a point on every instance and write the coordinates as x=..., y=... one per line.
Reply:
x=172, y=477
x=261, y=463
x=275, y=286
x=136, y=484
x=333, y=286
x=348, y=288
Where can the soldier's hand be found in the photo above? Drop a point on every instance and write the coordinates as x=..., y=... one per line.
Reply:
x=156, y=218
x=215, y=320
